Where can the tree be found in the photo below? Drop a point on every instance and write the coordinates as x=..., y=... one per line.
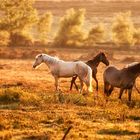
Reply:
x=96, y=34
x=44, y=26
x=70, y=31
x=17, y=15
x=123, y=30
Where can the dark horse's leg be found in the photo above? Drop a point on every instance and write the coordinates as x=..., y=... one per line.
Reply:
x=121, y=92
x=110, y=90
x=94, y=77
x=106, y=88
x=73, y=82
x=129, y=94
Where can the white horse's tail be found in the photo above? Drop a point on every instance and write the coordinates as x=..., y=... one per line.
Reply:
x=89, y=79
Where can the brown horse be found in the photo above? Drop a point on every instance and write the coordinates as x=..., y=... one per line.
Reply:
x=124, y=79
x=93, y=63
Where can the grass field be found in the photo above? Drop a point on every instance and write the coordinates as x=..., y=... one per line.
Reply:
x=31, y=109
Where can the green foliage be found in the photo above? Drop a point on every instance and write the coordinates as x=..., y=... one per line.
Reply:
x=17, y=15
x=70, y=31
x=4, y=38
x=96, y=34
x=44, y=26
x=123, y=30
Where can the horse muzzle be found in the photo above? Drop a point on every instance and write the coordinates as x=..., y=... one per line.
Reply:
x=107, y=63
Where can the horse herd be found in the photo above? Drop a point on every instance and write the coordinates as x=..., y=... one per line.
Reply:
x=124, y=78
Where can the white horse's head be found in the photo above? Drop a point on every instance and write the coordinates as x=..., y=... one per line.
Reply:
x=38, y=60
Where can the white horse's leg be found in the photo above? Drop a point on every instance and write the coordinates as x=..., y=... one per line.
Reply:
x=56, y=83
x=88, y=81
x=81, y=88
x=87, y=86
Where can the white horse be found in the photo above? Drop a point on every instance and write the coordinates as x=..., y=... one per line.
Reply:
x=60, y=68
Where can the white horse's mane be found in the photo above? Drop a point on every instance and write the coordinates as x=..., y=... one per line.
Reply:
x=50, y=59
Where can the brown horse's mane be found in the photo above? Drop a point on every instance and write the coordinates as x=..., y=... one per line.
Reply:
x=134, y=68
x=96, y=56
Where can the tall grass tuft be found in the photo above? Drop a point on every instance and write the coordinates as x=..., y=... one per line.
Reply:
x=17, y=95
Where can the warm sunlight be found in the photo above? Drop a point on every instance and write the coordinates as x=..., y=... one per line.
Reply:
x=70, y=70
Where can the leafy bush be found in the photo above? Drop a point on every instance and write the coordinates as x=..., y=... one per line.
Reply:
x=18, y=16
x=20, y=39
x=123, y=30
x=4, y=38
x=70, y=32
x=44, y=26
x=96, y=34
x=137, y=35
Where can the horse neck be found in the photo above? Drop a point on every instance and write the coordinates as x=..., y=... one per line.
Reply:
x=49, y=60
x=96, y=61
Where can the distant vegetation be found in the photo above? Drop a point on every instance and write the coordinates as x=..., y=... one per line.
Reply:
x=19, y=19
x=123, y=31
x=70, y=31
x=96, y=34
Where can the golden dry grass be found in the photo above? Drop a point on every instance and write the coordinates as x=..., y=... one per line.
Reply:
x=31, y=109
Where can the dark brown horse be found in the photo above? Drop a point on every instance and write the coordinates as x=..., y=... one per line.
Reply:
x=93, y=63
x=124, y=79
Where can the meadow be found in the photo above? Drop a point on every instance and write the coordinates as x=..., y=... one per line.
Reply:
x=31, y=109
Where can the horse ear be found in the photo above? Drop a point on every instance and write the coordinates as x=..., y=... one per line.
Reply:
x=100, y=52
x=40, y=55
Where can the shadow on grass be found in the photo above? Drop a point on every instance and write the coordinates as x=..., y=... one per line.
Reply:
x=36, y=137
x=135, y=118
x=116, y=132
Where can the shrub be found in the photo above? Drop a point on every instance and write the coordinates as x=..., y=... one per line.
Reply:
x=70, y=32
x=17, y=16
x=4, y=38
x=96, y=34
x=20, y=39
x=44, y=26
x=123, y=30
x=137, y=35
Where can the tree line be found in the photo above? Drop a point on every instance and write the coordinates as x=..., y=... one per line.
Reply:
x=19, y=19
